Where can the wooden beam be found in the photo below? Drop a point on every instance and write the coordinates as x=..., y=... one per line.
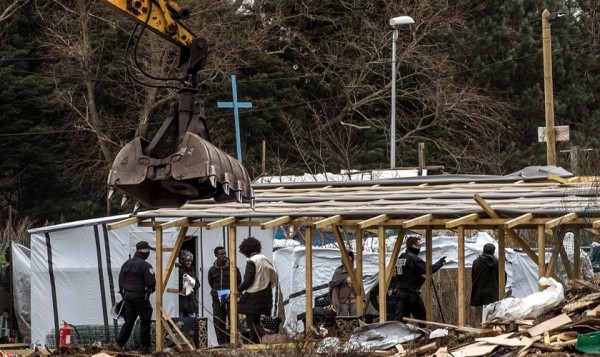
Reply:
x=308, y=278
x=180, y=222
x=501, y=264
x=485, y=206
x=553, y=257
x=233, y=293
x=276, y=222
x=391, y=268
x=360, y=297
x=428, y=274
x=561, y=220
x=462, y=296
x=373, y=221
x=221, y=223
x=576, y=256
x=556, y=178
x=382, y=275
x=519, y=220
x=174, y=325
x=327, y=221
x=174, y=255
x=418, y=221
x=541, y=238
x=159, y=289
x=460, y=221
x=345, y=260
x=565, y=259
x=124, y=223
x=596, y=224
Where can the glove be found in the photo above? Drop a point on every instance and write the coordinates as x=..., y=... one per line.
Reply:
x=442, y=260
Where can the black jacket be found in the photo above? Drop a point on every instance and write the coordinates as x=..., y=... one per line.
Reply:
x=218, y=279
x=258, y=303
x=188, y=304
x=136, y=278
x=484, y=280
x=410, y=270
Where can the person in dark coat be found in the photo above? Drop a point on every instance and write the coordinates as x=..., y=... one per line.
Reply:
x=136, y=283
x=218, y=279
x=484, y=279
x=410, y=276
x=341, y=292
x=257, y=286
x=188, y=301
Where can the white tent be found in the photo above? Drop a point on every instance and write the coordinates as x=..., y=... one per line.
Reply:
x=75, y=268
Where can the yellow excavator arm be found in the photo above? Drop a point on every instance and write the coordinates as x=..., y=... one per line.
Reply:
x=157, y=173
x=161, y=16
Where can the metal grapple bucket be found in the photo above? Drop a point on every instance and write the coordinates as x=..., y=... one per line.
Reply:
x=196, y=170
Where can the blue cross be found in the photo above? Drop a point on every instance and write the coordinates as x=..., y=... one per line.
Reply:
x=236, y=105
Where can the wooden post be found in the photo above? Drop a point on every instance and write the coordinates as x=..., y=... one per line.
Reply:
x=428, y=275
x=360, y=298
x=421, y=150
x=574, y=159
x=382, y=275
x=461, y=277
x=233, y=295
x=159, y=289
x=309, y=281
x=541, y=236
x=264, y=157
x=548, y=90
x=501, y=263
x=576, y=254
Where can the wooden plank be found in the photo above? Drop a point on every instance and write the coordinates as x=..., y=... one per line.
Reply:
x=462, y=296
x=541, y=242
x=428, y=274
x=576, y=255
x=596, y=223
x=382, y=275
x=276, y=222
x=373, y=221
x=308, y=278
x=360, y=297
x=474, y=350
x=418, y=221
x=549, y=325
x=327, y=221
x=419, y=350
x=501, y=341
x=159, y=289
x=345, y=260
x=519, y=220
x=180, y=222
x=124, y=223
x=176, y=328
x=553, y=257
x=173, y=337
x=390, y=269
x=233, y=295
x=588, y=285
x=565, y=260
x=221, y=223
x=561, y=220
x=466, y=329
x=460, y=221
x=174, y=256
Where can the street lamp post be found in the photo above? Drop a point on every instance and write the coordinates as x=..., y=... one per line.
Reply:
x=394, y=22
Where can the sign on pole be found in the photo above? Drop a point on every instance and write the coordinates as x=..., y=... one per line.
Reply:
x=561, y=133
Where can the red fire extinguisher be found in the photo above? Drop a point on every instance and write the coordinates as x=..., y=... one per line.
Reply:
x=65, y=335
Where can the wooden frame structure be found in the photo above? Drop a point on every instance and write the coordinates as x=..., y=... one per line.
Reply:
x=507, y=205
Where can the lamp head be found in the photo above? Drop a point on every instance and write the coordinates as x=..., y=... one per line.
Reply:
x=555, y=16
x=401, y=20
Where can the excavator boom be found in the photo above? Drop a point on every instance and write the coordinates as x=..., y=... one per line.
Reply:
x=179, y=163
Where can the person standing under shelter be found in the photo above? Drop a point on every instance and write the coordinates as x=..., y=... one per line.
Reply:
x=188, y=285
x=218, y=279
x=410, y=276
x=484, y=279
x=341, y=293
x=136, y=283
x=257, y=286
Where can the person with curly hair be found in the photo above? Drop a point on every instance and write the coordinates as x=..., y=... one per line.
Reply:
x=257, y=287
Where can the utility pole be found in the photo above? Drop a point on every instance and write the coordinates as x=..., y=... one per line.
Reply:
x=548, y=90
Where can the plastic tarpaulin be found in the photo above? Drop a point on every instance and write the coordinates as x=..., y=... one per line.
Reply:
x=290, y=263
x=21, y=277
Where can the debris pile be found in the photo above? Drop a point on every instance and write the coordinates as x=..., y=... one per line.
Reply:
x=571, y=327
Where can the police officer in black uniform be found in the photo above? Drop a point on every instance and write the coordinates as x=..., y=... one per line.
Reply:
x=410, y=276
x=136, y=283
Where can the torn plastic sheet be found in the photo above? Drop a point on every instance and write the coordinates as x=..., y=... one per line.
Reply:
x=529, y=307
x=384, y=335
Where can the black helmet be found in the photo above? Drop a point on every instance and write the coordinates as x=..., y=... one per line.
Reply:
x=185, y=255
